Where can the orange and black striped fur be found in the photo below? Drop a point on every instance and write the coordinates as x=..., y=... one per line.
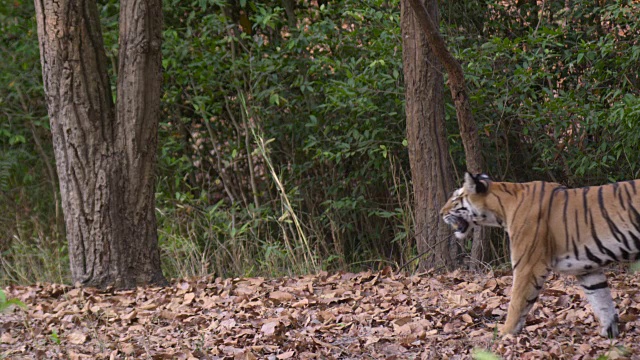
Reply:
x=551, y=227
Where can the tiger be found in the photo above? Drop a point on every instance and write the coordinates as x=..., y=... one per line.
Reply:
x=573, y=231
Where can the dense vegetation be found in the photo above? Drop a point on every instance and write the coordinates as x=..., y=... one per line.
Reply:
x=282, y=141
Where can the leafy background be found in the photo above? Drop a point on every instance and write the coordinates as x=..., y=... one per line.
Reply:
x=282, y=141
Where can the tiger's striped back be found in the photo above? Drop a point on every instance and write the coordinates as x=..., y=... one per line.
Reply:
x=596, y=226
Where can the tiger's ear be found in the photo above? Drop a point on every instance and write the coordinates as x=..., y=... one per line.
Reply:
x=476, y=184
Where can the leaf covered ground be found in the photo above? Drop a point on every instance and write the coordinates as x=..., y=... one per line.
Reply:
x=327, y=316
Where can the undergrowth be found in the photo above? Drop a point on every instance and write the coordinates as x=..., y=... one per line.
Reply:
x=275, y=239
x=282, y=146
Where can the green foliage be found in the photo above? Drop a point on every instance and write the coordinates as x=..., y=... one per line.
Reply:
x=559, y=99
x=7, y=303
x=484, y=355
x=555, y=101
x=30, y=216
x=331, y=107
x=282, y=145
x=54, y=337
x=34, y=258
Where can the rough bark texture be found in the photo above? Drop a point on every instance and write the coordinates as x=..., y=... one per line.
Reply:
x=457, y=86
x=105, y=162
x=431, y=169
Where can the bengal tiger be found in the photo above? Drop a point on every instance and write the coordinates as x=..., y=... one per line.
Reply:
x=551, y=227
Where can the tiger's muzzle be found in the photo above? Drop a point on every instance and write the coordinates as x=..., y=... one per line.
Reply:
x=459, y=225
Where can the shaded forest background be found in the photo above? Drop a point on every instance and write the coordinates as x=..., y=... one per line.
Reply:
x=282, y=140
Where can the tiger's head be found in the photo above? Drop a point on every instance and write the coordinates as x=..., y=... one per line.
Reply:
x=467, y=206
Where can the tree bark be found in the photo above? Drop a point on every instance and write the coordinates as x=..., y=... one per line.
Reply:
x=289, y=9
x=459, y=94
x=105, y=162
x=431, y=169
x=138, y=112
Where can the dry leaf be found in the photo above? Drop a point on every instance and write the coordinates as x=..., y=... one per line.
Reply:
x=371, y=340
x=130, y=316
x=6, y=338
x=188, y=298
x=403, y=330
x=113, y=355
x=78, y=356
x=77, y=338
x=448, y=327
x=402, y=321
x=269, y=328
x=466, y=318
x=301, y=303
x=286, y=355
x=229, y=323
x=128, y=349
x=169, y=315
x=247, y=355
x=365, y=315
x=280, y=296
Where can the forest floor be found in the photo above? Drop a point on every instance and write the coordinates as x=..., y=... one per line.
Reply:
x=327, y=316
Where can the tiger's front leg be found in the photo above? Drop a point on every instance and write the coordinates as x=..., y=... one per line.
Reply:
x=597, y=291
x=527, y=284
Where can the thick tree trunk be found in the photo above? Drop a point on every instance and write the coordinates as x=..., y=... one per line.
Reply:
x=458, y=88
x=431, y=169
x=105, y=162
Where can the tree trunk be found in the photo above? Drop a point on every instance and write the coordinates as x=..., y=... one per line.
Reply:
x=468, y=130
x=431, y=169
x=105, y=162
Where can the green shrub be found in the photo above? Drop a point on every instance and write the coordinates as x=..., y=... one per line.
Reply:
x=557, y=100
x=282, y=139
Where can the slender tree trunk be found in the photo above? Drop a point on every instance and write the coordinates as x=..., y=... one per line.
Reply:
x=468, y=130
x=138, y=112
x=289, y=9
x=105, y=162
x=431, y=170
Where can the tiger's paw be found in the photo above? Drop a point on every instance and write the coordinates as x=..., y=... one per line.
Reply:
x=506, y=331
x=610, y=331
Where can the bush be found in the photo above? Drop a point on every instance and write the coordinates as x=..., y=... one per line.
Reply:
x=556, y=97
x=329, y=107
x=282, y=145
x=31, y=225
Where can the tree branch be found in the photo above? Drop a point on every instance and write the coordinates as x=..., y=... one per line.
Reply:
x=457, y=86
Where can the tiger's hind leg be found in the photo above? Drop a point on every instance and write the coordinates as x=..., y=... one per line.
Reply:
x=527, y=284
x=595, y=288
